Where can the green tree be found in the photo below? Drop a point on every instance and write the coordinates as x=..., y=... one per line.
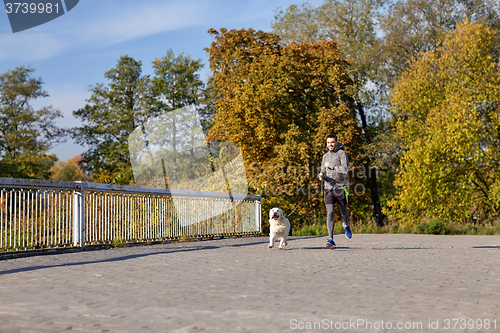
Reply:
x=112, y=113
x=26, y=134
x=115, y=110
x=208, y=110
x=278, y=103
x=352, y=23
x=447, y=106
x=176, y=82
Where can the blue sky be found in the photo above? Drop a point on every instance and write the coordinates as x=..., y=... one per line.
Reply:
x=72, y=52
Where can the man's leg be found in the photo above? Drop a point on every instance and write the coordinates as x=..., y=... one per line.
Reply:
x=345, y=217
x=330, y=209
x=330, y=222
x=344, y=213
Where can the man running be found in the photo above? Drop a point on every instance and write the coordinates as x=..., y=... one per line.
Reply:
x=334, y=168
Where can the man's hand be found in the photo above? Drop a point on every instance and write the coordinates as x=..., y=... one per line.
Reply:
x=320, y=176
x=327, y=164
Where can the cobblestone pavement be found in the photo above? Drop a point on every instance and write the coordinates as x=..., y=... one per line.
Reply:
x=408, y=282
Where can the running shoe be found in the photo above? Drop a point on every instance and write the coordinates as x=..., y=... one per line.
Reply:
x=348, y=233
x=330, y=244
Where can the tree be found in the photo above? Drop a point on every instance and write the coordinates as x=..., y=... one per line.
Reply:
x=176, y=82
x=411, y=27
x=415, y=26
x=208, y=111
x=352, y=24
x=26, y=134
x=278, y=103
x=69, y=170
x=115, y=110
x=112, y=113
x=299, y=24
x=406, y=28
x=447, y=106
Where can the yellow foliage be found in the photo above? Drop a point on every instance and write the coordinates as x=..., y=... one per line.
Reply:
x=68, y=170
x=278, y=103
x=447, y=111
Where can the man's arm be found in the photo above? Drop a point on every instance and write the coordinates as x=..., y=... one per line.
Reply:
x=323, y=169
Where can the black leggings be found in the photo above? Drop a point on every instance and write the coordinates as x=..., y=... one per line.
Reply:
x=332, y=197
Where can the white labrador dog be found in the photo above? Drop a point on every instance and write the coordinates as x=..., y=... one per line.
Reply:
x=279, y=227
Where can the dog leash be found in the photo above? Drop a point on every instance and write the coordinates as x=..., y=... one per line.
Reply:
x=296, y=206
x=299, y=202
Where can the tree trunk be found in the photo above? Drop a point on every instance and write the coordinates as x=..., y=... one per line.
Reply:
x=377, y=210
x=372, y=172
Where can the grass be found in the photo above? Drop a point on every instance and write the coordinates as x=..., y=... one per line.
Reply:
x=185, y=238
x=431, y=227
x=118, y=242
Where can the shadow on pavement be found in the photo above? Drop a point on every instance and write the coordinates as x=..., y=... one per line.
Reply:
x=307, y=237
x=127, y=257
x=324, y=248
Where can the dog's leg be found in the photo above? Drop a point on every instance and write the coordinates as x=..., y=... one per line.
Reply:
x=281, y=243
x=271, y=241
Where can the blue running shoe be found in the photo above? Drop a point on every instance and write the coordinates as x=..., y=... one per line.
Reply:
x=348, y=233
x=330, y=244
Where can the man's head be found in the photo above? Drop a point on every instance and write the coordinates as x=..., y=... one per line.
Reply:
x=331, y=141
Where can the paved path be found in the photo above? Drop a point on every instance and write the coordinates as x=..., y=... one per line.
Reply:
x=238, y=285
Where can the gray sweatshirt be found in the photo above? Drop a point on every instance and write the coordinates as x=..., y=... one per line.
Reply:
x=335, y=175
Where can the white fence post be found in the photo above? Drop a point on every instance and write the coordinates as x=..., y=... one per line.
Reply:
x=258, y=215
x=79, y=216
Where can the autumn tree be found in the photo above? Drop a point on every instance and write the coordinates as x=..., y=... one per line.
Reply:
x=406, y=28
x=278, y=103
x=410, y=27
x=352, y=24
x=26, y=134
x=447, y=106
x=69, y=170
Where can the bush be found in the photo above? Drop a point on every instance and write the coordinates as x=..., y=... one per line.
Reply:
x=435, y=226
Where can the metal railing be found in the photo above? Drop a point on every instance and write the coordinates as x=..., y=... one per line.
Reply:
x=39, y=214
